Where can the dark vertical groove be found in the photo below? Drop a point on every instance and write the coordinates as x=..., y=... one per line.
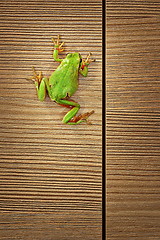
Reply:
x=104, y=118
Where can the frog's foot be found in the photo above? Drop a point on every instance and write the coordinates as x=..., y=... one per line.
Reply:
x=57, y=44
x=87, y=61
x=82, y=117
x=37, y=78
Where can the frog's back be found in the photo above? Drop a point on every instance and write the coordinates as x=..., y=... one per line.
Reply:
x=64, y=80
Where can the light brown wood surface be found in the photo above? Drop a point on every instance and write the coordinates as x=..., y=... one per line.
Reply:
x=133, y=120
x=50, y=173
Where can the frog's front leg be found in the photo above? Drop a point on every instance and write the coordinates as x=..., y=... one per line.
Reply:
x=71, y=118
x=84, y=65
x=57, y=48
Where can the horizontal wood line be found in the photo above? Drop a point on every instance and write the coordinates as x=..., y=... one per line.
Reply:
x=48, y=191
x=32, y=157
x=131, y=168
x=40, y=141
x=132, y=33
x=38, y=34
x=133, y=185
x=80, y=217
x=131, y=13
x=21, y=130
x=138, y=152
x=147, y=193
x=45, y=142
x=79, y=222
x=51, y=172
x=138, y=95
x=20, y=126
x=130, y=120
x=132, y=163
x=132, y=125
x=49, y=144
x=48, y=43
x=48, y=29
x=24, y=202
x=127, y=112
x=146, y=121
x=130, y=3
x=44, y=178
x=32, y=3
x=114, y=57
x=142, y=150
x=74, y=173
x=115, y=23
x=129, y=44
x=134, y=8
x=140, y=147
x=116, y=140
x=50, y=203
x=90, y=21
x=40, y=14
x=59, y=209
x=29, y=164
x=44, y=153
x=127, y=155
x=129, y=17
x=51, y=8
x=132, y=132
x=140, y=175
x=143, y=179
x=52, y=196
x=47, y=182
x=133, y=159
x=82, y=183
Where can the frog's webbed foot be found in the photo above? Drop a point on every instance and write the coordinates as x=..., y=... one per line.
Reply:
x=83, y=117
x=57, y=44
x=87, y=60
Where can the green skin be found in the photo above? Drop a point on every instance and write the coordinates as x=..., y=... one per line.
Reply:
x=63, y=83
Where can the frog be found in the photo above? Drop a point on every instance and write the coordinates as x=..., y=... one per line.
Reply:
x=63, y=82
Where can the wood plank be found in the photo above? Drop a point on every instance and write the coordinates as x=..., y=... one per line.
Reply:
x=133, y=135
x=50, y=172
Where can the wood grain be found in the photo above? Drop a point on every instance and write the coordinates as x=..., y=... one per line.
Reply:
x=133, y=137
x=50, y=173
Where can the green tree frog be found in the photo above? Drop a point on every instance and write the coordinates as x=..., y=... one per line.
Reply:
x=63, y=82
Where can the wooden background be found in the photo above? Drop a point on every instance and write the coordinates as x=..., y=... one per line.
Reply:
x=133, y=120
x=50, y=173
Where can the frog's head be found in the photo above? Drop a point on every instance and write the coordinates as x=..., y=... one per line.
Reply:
x=74, y=57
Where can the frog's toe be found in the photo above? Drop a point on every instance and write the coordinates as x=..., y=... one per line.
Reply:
x=85, y=116
x=37, y=77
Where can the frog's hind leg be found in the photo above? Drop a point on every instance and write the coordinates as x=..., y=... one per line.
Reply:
x=40, y=84
x=71, y=118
